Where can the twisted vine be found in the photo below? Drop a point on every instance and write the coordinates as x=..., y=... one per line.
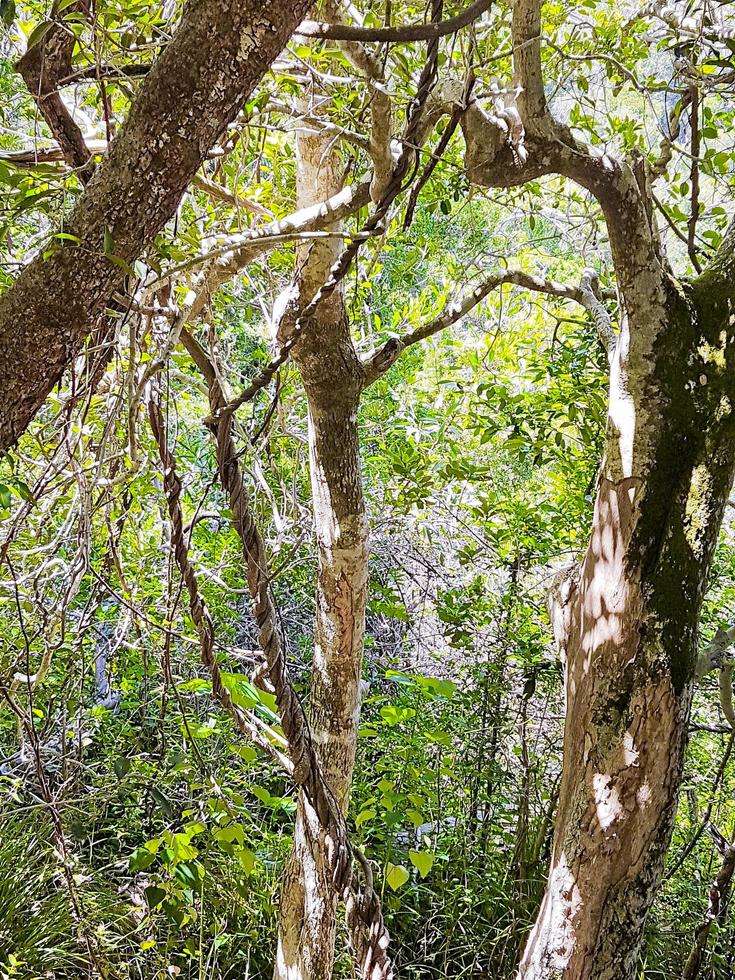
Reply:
x=368, y=934
x=200, y=615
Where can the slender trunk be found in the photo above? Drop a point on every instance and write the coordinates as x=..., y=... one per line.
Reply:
x=719, y=893
x=332, y=378
x=630, y=634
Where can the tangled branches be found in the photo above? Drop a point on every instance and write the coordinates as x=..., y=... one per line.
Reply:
x=368, y=933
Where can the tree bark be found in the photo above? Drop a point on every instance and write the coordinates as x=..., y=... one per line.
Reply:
x=333, y=379
x=218, y=55
x=630, y=631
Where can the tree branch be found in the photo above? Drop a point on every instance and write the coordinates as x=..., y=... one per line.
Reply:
x=246, y=246
x=41, y=67
x=584, y=294
x=717, y=656
x=409, y=32
x=381, y=109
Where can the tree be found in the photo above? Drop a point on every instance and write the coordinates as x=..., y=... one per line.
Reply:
x=662, y=488
x=626, y=621
x=197, y=85
x=332, y=377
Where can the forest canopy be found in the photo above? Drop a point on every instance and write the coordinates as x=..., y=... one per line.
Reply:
x=367, y=448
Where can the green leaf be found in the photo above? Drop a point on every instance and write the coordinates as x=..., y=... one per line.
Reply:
x=231, y=834
x=416, y=817
x=246, y=859
x=363, y=817
x=197, y=684
x=189, y=873
x=39, y=32
x=181, y=847
x=121, y=263
x=154, y=896
x=396, y=876
x=203, y=731
x=242, y=691
x=422, y=861
x=393, y=715
x=194, y=828
x=264, y=796
x=141, y=858
x=24, y=491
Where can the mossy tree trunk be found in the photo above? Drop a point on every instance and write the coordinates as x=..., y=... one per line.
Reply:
x=630, y=622
x=630, y=632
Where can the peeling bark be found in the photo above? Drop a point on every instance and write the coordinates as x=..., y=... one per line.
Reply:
x=333, y=379
x=630, y=630
x=216, y=58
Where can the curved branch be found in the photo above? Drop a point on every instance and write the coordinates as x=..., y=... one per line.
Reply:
x=409, y=32
x=241, y=249
x=584, y=294
x=716, y=656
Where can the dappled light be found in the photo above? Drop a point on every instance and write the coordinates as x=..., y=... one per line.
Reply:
x=367, y=558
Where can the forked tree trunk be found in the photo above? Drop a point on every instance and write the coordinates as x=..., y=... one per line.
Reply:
x=630, y=630
x=333, y=379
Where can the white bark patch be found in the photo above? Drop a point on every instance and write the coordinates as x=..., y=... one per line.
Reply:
x=622, y=412
x=630, y=753
x=607, y=801
x=643, y=796
x=556, y=922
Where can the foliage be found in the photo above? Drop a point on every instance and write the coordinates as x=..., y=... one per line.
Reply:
x=480, y=449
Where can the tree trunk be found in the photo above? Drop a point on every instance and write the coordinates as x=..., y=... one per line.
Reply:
x=218, y=55
x=630, y=630
x=333, y=379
